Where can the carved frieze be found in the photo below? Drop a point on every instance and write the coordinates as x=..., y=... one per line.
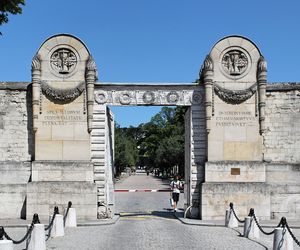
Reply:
x=234, y=96
x=62, y=95
x=149, y=97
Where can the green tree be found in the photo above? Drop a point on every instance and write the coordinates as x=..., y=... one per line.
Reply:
x=156, y=144
x=126, y=152
x=10, y=7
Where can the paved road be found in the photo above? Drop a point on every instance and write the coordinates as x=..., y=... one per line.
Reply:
x=144, y=202
x=146, y=223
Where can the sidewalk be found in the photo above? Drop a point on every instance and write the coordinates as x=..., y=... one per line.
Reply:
x=221, y=223
x=15, y=223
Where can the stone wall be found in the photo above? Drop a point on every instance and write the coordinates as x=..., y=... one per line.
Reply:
x=281, y=139
x=16, y=136
x=283, y=180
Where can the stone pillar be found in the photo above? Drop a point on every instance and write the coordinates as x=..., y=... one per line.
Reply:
x=36, y=79
x=91, y=77
x=262, y=84
x=207, y=72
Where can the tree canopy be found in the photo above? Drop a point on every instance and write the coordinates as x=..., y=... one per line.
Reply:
x=158, y=144
x=10, y=7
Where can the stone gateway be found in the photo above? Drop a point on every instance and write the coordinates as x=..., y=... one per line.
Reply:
x=242, y=140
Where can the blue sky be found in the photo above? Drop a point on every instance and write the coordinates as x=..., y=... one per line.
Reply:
x=153, y=40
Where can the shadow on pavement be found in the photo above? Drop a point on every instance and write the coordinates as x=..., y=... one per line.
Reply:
x=169, y=214
x=241, y=235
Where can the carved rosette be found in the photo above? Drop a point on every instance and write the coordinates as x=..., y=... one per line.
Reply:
x=196, y=98
x=172, y=97
x=62, y=95
x=234, y=96
x=101, y=97
x=149, y=97
x=125, y=98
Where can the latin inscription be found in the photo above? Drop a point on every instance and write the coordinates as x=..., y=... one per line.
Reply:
x=235, y=119
x=61, y=117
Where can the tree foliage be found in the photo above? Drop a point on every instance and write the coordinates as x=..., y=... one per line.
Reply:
x=10, y=7
x=157, y=144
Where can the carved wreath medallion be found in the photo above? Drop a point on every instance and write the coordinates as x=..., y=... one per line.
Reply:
x=173, y=97
x=101, y=97
x=196, y=98
x=234, y=62
x=149, y=97
x=125, y=98
x=63, y=61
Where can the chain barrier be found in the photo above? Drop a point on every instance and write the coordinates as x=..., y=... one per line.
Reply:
x=261, y=229
x=56, y=211
x=35, y=220
x=283, y=223
x=232, y=209
x=69, y=206
x=291, y=233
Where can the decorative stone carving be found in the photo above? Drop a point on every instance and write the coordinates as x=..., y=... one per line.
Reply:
x=172, y=97
x=125, y=98
x=63, y=61
x=234, y=96
x=101, y=97
x=262, y=64
x=91, y=66
x=149, y=97
x=208, y=64
x=196, y=98
x=234, y=62
x=62, y=95
x=36, y=63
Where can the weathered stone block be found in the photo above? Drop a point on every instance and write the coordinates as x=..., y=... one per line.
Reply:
x=217, y=196
x=235, y=172
x=43, y=196
x=13, y=172
x=13, y=201
x=62, y=171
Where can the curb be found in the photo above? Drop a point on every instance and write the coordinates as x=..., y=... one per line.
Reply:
x=102, y=222
x=196, y=222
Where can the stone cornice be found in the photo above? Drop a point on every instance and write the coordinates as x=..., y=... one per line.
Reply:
x=14, y=85
x=271, y=87
x=280, y=86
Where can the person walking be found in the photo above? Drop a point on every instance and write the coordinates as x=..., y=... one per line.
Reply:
x=176, y=185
